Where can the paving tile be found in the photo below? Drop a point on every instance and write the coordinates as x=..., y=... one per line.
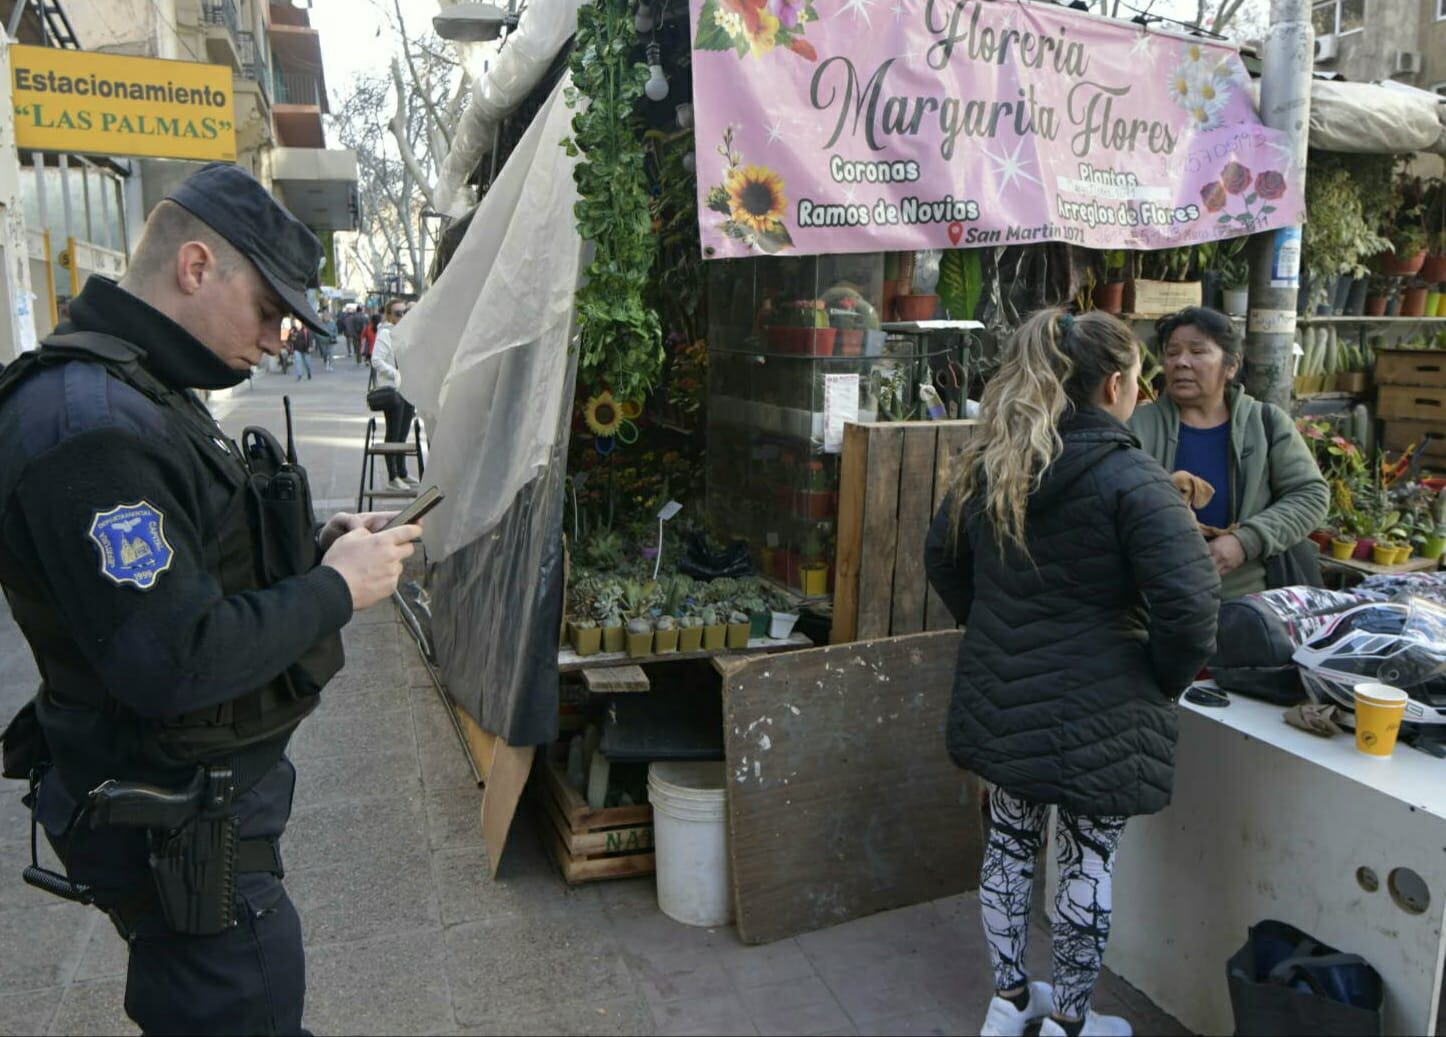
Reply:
x=721, y=1014
x=467, y=891
x=97, y=1007
x=765, y=964
x=621, y=1017
x=343, y=779
x=509, y=965
x=395, y=984
x=648, y=935
x=30, y=1012
x=799, y=1006
x=443, y=758
x=639, y=894
x=881, y=990
x=54, y=936
x=106, y=954
x=366, y=898
x=362, y=734
x=682, y=977
x=14, y=817
x=920, y=1023
x=454, y=817
x=352, y=831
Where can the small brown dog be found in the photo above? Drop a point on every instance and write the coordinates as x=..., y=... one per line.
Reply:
x=1197, y=493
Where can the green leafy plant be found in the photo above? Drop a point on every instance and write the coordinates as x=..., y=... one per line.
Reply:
x=961, y=282
x=1349, y=198
x=620, y=334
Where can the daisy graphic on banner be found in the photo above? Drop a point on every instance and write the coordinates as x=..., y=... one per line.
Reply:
x=756, y=27
x=752, y=199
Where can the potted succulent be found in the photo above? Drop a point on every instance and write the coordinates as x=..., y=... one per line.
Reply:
x=758, y=615
x=1233, y=270
x=586, y=636
x=1109, y=294
x=738, y=629
x=690, y=633
x=917, y=299
x=1343, y=546
x=801, y=326
x=782, y=616
x=640, y=637
x=665, y=635
x=715, y=629
x=614, y=632
x=1378, y=293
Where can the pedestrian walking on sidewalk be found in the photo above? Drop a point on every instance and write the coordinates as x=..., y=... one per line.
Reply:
x=181, y=634
x=302, y=341
x=397, y=411
x=1089, y=600
x=326, y=340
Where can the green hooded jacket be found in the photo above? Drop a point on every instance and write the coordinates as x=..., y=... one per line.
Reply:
x=1277, y=494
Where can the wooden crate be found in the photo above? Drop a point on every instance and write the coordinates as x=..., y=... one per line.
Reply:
x=1411, y=367
x=609, y=843
x=893, y=478
x=1413, y=403
x=1398, y=435
x=1157, y=298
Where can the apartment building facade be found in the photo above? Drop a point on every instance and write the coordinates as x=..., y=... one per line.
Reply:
x=1373, y=40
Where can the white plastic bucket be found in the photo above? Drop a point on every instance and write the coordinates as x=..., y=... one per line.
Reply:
x=690, y=833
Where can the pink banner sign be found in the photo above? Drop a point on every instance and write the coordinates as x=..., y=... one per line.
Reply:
x=863, y=125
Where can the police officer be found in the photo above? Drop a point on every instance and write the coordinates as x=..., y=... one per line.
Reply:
x=139, y=552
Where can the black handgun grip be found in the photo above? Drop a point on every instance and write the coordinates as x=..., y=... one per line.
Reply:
x=133, y=805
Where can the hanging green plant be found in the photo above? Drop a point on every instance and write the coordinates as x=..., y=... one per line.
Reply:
x=961, y=281
x=621, y=341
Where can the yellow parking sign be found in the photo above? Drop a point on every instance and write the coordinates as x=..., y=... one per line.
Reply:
x=108, y=104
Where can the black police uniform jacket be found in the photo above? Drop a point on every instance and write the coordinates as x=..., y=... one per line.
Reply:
x=1072, y=659
x=118, y=540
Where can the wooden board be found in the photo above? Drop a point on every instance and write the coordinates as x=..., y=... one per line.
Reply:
x=842, y=799
x=481, y=745
x=1412, y=403
x=853, y=476
x=609, y=680
x=880, y=530
x=1355, y=565
x=916, y=510
x=568, y=661
x=1398, y=435
x=952, y=439
x=1411, y=367
x=579, y=816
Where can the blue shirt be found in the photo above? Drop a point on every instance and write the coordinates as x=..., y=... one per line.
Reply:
x=1205, y=452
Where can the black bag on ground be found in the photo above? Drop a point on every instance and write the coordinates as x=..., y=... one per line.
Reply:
x=1284, y=982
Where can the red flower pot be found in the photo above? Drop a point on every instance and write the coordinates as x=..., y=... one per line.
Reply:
x=1413, y=302
x=851, y=342
x=916, y=307
x=1393, y=265
x=1322, y=539
x=1376, y=306
x=1364, y=547
x=1433, y=270
x=819, y=341
x=1110, y=297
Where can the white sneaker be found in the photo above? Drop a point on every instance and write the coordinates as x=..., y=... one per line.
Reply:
x=1095, y=1025
x=413, y=483
x=1004, y=1020
x=400, y=484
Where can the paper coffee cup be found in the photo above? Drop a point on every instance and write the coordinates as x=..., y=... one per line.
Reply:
x=1379, y=710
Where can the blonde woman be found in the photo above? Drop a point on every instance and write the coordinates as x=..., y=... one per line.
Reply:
x=1090, y=601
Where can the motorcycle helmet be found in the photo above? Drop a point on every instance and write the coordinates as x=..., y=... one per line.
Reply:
x=1258, y=636
x=1400, y=643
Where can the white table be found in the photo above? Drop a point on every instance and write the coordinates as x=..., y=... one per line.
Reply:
x=1270, y=822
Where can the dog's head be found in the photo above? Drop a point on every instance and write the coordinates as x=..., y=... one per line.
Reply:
x=1196, y=491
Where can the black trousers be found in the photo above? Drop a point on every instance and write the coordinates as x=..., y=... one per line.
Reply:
x=399, y=414
x=247, y=980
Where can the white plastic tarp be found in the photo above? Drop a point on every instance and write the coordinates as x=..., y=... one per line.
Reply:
x=545, y=25
x=1369, y=119
x=484, y=355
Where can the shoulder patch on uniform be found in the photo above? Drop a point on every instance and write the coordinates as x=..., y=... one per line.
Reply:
x=132, y=543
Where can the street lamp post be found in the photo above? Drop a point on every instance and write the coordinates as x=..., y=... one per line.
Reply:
x=474, y=22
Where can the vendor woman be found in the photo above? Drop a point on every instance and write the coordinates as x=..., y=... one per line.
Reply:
x=1269, y=494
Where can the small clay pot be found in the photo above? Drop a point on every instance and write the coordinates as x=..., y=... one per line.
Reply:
x=615, y=639
x=587, y=641
x=1413, y=302
x=1343, y=550
x=737, y=635
x=640, y=645
x=1365, y=547
x=665, y=642
x=916, y=307
x=1110, y=297
x=1384, y=554
x=1434, y=268
x=1393, y=265
x=1376, y=306
x=851, y=342
x=690, y=639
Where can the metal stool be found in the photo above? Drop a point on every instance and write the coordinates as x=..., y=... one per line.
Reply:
x=372, y=450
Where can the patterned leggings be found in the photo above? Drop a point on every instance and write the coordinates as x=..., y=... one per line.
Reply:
x=1086, y=847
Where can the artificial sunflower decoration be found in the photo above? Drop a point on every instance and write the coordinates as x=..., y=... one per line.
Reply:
x=603, y=415
x=756, y=198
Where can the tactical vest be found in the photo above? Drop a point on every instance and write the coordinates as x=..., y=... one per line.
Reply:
x=73, y=705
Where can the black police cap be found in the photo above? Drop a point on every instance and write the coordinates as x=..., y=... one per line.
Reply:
x=233, y=203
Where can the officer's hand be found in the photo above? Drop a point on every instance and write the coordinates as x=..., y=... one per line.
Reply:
x=344, y=522
x=371, y=563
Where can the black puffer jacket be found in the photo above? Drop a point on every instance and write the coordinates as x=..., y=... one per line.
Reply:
x=1071, y=661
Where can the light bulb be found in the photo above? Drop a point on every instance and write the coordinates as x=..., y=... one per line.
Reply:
x=657, y=85
x=685, y=115
x=690, y=162
x=643, y=20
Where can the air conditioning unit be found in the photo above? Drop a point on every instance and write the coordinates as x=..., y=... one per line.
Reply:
x=1326, y=47
x=1408, y=62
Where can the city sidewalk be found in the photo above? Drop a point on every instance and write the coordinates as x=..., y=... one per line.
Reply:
x=405, y=930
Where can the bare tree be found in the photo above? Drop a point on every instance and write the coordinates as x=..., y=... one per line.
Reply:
x=1241, y=19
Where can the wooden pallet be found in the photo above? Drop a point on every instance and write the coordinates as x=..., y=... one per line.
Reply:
x=894, y=476
x=589, y=845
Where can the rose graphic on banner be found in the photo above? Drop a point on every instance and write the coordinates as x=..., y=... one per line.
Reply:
x=1236, y=180
x=756, y=26
x=753, y=200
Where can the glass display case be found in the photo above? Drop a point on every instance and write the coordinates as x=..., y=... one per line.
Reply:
x=796, y=348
